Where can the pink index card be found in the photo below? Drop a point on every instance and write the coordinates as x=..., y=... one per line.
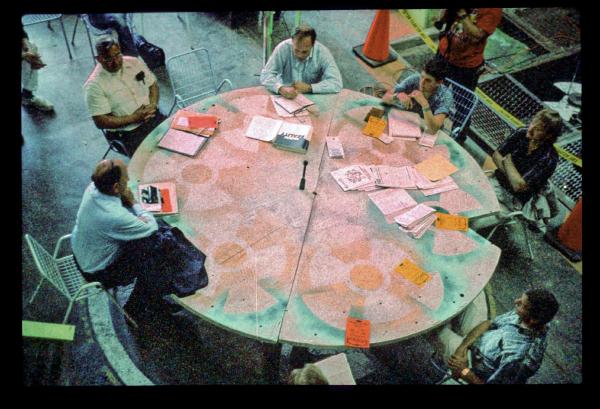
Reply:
x=436, y=167
x=428, y=139
x=393, y=176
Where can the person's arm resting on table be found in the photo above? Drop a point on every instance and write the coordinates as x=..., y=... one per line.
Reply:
x=432, y=122
x=271, y=74
x=458, y=360
x=133, y=222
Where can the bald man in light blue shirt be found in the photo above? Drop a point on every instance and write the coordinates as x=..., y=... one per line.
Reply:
x=301, y=65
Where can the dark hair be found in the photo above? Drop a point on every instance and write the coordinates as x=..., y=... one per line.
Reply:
x=105, y=181
x=304, y=30
x=542, y=305
x=436, y=69
x=104, y=45
x=552, y=123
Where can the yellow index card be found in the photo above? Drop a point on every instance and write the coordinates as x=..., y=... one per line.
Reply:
x=436, y=168
x=412, y=272
x=451, y=222
x=374, y=127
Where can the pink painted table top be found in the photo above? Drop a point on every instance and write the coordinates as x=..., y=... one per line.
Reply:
x=289, y=265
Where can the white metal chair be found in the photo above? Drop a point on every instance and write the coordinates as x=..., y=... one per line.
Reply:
x=115, y=146
x=192, y=77
x=29, y=19
x=96, y=32
x=64, y=275
x=464, y=103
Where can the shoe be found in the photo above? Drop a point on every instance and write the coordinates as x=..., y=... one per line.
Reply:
x=38, y=103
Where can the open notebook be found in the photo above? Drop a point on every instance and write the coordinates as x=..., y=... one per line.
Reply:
x=182, y=142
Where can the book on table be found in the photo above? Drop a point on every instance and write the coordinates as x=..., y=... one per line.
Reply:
x=158, y=197
x=293, y=106
x=182, y=142
x=284, y=135
x=195, y=122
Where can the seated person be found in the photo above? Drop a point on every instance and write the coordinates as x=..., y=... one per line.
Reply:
x=122, y=96
x=111, y=235
x=424, y=94
x=523, y=165
x=119, y=23
x=301, y=65
x=527, y=159
x=506, y=350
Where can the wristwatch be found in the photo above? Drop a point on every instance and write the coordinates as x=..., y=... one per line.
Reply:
x=464, y=372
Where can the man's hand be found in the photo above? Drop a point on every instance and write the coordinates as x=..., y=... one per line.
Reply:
x=144, y=113
x=456, y=366
x=288, y=92
x=420, y=98
x=127, y=198
x=406, y=100
x=302, y=87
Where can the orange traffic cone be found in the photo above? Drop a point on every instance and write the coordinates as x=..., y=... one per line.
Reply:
x=568, y=239
x=569, y=233
x=376, y=49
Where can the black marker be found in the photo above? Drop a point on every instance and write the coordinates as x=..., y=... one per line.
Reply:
x=302, y=181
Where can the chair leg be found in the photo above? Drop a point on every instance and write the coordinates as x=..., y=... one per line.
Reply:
x=68, y=312
x=36, y=290
x=527, y=240
x=74, y=31
x=171, y=110
x=113, y=299
x=492, y=232
x=62, y=26
x=108, y=150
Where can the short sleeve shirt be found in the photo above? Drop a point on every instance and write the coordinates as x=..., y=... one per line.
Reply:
x=535, y=168
x=440, y=101
x=463, y=52
x=119, y=93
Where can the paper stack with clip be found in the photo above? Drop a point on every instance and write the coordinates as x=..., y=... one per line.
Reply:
x=392, y=202
x=416, y=221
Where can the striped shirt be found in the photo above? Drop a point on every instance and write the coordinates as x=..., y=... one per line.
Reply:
x=508, y=353
x=440, y=101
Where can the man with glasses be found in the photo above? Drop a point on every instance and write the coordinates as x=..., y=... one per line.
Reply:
x=122, y=96
x=301, y=65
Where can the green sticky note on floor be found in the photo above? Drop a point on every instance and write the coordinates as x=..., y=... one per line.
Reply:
x=62, y=332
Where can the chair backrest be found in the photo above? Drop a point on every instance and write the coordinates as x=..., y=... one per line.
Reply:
x=97, y=32
x=192, y=77
x=464, y=102
x=61, y=273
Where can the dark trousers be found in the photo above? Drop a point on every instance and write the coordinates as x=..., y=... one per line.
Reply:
x=133, y=139
x=468, y=78
x=138, y=260
x=118, y=23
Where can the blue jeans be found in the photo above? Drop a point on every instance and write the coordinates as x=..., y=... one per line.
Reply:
x=117, y=22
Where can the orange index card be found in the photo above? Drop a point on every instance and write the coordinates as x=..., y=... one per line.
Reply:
x=451, y=222
x=166, y=198
x=436, y=168
x=412, y=272
x=374, y=127
x=358, y=333
x=200, y=122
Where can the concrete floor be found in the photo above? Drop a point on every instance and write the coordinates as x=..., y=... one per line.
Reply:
x=60, y=151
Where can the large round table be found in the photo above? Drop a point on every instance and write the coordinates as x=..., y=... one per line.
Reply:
x=290, y=266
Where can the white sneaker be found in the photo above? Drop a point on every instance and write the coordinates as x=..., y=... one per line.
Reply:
x=38, y=103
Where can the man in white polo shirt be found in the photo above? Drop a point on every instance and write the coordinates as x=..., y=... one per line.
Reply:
x=122, y=96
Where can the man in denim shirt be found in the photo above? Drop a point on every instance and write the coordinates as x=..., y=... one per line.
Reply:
x=424, y=94
x=509, y=349
x=301, y=65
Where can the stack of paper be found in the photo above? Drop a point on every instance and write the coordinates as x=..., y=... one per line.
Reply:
x=416, y=221
x=392, y=176
x=431, y=188
x=355, y=177
x=404, y=125
x=288, y=108
x=392, y=202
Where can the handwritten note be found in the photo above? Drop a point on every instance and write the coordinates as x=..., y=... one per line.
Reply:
x=358, y=333
x=451, y=222
x=374, y=127
x=436, y=167
x=412, y=272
